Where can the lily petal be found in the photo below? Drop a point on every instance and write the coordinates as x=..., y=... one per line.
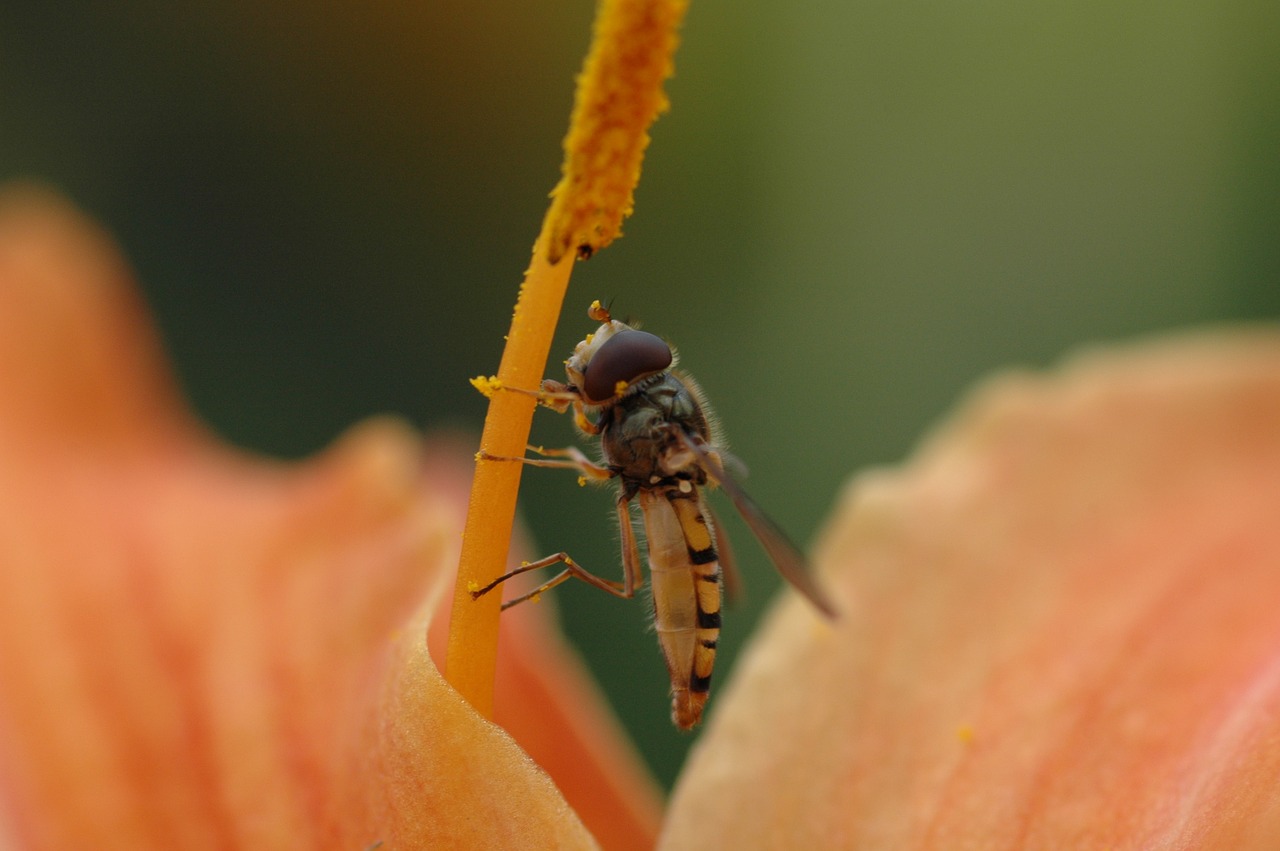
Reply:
x=204, y=649
x=1059, y=630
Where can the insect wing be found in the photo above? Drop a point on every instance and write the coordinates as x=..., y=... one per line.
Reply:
x=734, y=588
x=786, y=558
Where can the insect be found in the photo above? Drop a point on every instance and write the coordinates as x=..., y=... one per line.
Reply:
x=658, y=441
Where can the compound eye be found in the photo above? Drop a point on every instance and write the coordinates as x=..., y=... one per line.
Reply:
x=624, y=358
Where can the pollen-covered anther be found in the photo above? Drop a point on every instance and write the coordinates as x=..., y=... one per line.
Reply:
x=619, y=96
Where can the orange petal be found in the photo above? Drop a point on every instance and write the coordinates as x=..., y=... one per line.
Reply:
x=545, y=699
x=206, y=649
x=572, y=734
x=1059, y=630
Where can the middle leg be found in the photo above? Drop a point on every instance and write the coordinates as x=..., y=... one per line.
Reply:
x=569, y=458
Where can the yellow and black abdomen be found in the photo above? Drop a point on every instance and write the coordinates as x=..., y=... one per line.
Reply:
x=685, y=575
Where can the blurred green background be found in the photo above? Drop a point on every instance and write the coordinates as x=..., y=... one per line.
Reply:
x=853, y=211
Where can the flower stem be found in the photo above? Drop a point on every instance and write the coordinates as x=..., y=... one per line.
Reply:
x=473, y=630
x=619, y=95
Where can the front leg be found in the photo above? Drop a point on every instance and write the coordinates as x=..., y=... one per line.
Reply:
x=566, y=396
x=556, y=395
x=552, y=394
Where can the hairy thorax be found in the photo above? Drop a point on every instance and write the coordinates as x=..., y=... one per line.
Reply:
x=638, y=435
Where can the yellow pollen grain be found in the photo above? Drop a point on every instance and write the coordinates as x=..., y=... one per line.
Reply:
x=487, y=385
x=619, y=96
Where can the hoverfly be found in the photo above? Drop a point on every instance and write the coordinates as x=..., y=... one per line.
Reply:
x=657, y=439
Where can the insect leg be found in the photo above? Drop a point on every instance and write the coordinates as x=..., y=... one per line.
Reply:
x=625, y=589
x=555, y=395
x=584, y=423
x=551, y=394
x=571, y=452
x=632, y=572
x=570, y=458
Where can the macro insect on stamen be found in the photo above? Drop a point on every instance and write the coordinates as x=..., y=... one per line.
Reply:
x=658, y=441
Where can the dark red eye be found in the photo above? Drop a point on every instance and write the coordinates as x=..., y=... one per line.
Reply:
x=625, y=357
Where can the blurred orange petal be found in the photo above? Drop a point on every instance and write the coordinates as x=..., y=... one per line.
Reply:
x=204, y=649
x=1059, y=630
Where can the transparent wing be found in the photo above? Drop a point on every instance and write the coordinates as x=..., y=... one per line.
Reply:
x=786, y=557
x=734, y=587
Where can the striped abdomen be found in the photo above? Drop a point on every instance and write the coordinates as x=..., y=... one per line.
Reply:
x=685, y=575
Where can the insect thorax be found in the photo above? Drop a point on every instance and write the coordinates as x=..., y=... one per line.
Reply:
x=638, y=434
